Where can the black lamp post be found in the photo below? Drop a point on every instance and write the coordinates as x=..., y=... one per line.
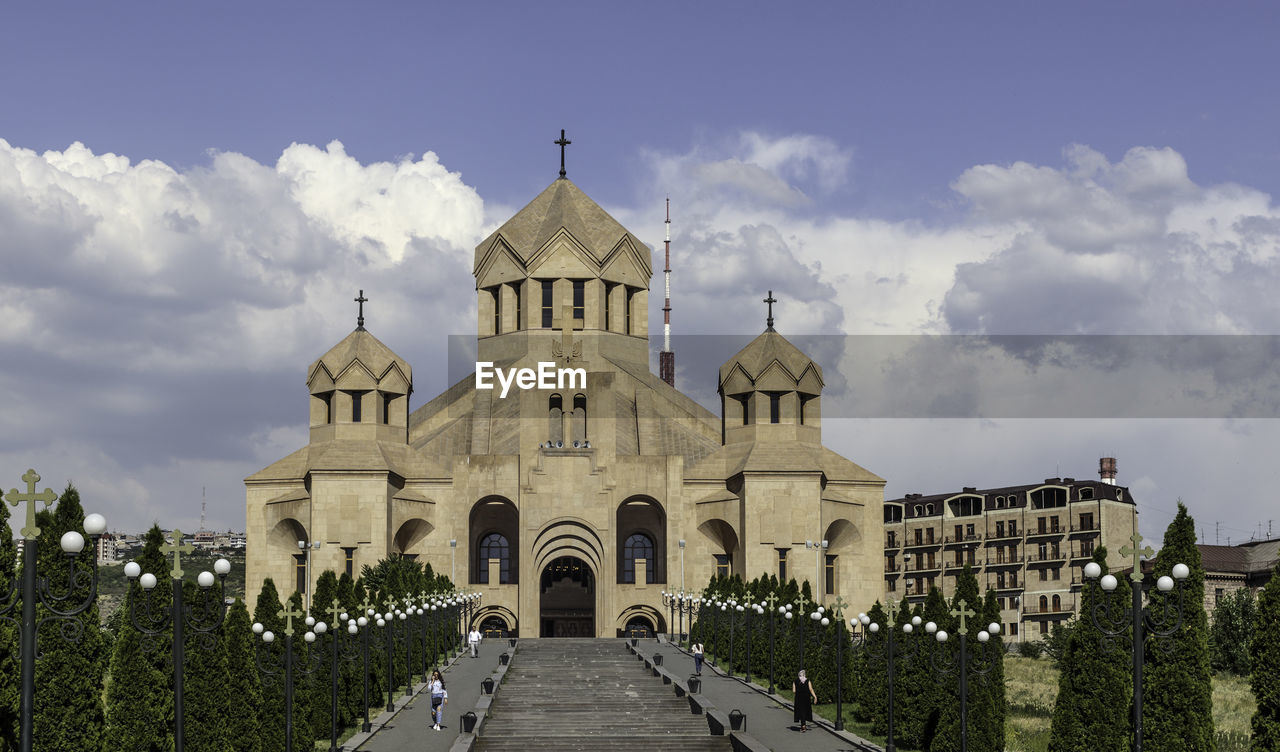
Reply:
x=285, y=667
x=822, y=618
x=715, y=606
x=36, y=589
x=406, y=637
x=960, y=664
x=732, y=607
x=180, y=617
x=1114, y=619
x=669, y=600
x=757, y=609
x=888, y=650
x=362, y=623
x=388, y=621
x=343, y=649
x=802, y=604
x=774, y=609
x=422, y=609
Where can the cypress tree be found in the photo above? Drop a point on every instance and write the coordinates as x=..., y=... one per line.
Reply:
x=70, y=673
x=351, y=681
x=139, y=702
x=271, y=718
x=990, y=720
x=873, y=685
x=245, y=686
x=304, y=734
x=1234, y=622
x=207, y=703
x=1264, y=653
x=979, y=700
x=10, y=667
x=321, y=601
x=1178, y=706
x=1095, y=685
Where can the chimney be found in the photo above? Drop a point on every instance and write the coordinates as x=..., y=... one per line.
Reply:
x=1107, y=470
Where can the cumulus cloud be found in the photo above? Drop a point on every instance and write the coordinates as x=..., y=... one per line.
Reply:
x=162, y=316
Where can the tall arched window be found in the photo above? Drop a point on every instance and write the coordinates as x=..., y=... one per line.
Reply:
x=638, y=546
x=555, y=423
x=1057, y=603
x=1044, y=604
x=494, y=546
x=579, y=417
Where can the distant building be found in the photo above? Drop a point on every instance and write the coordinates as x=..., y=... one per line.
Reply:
x=1230, y=568
x=1029, y=543
x=108, y=551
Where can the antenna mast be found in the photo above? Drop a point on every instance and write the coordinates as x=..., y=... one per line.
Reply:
x=202, y=507
x=666, y=358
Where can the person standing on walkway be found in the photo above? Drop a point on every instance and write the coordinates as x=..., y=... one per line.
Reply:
x=697, y=658
x=806, y=698
x=474, y=640
x=439, y=698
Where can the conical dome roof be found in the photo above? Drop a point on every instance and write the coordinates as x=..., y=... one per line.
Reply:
x=561, y=205
x=770, y=363
x=359, y=361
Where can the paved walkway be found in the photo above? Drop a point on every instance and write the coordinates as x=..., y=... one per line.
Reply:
x=410, y=727
x=768, y=719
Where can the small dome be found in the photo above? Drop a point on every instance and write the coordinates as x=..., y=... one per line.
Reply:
x=770, y=364
x=360, y=361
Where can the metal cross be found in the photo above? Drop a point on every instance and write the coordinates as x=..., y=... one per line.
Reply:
x=177, y=548
x=840, y=606
x=964, y=612
x=365, y=607
x=770, y=300
x=562, y=142
x=1137, y=554
x=287, y=613
x=334, y=612
x=390, y=603
x=773, y=602
x=891, y=608
x=801, y=601
x=361, y=299
x=30, y=531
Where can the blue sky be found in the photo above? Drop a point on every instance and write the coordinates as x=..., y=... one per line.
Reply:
x=889, y=168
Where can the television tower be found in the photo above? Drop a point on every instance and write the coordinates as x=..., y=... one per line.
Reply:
x=666, y=358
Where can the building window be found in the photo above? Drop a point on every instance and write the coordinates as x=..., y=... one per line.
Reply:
x=608, y=306
x=497, y=309
x=1044, y=575
x=1086, y=521
x=928, y=533
x=349, y=560
x=970, y=557
x=746, y=409
x=1013, y=629
x=638, y=546
x=1053, y=525
x=775, y=407
x=893, y=584
x=1086, y=493
x=1086, y=548
x=1040, y=525
x=555, y=423
x=327, y=398
x=516, y=289
x=494, y=546
x=919, y=536
x=630, y=293
x=548, y=296
x=893, y=539
x=1044, y=604
x=1013, y=528
x=1057, y=574
x=928, y=509
x=1000, y=579
x=782, y=564
x=386, y=408
x=300, y=565
x=357, y=400
x=831, y=574
x=722, y=565
x=580, y=299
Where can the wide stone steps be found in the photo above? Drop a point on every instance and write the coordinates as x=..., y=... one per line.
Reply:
x=580, y=694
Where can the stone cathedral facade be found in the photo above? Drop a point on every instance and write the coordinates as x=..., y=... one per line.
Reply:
x=570, y=510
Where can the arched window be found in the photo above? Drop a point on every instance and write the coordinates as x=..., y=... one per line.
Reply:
x=638, y=546
x=579, y=417
x=928, y=509
x=999, y=502
x=555, y=424
x=494, y=546
x=1086, y=493
x=1057, y=603
x=1044, y=604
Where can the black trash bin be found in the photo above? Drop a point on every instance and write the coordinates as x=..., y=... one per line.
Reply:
x=657, y=659
x=737, y=720
x=511, y=642
x=633, y=642
x=487, y=686
x=468, y=722
x=504, y=659
x=695, y=685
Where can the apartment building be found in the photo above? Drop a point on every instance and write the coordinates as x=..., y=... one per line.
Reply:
x=1029, y=543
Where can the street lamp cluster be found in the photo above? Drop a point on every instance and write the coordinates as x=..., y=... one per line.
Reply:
x=64, y=603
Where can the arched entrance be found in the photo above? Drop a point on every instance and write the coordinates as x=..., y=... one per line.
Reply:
x=567, y=603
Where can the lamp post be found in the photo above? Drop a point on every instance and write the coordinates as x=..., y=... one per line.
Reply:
x=453, y=559
x=286, y=666
x=1111, y=622
x=681, y=565
x=362, y=623
x=801, y=605
x=839, y=614
x=423, y=611
x=180, y=617
x=986, y=660
x=889, y=650
x=406, y=637
x=669, y=600
x=387, y=621
x=757, y=609
x=35, y=589
x=732, y=607
x=818, y=547
x=773, y=609
x=306, y=571
x=342, y=649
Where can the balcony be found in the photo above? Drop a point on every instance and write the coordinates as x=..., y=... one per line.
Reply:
x=924, y=543
x=962, y=564
x=892, y=543
x=1091, y=529
x=1059, y=531
x=1007, y=561
x=1006, y=586
x=952, y=540
x=1048, y=557
x=1048, y=610
x=1082, y=554
x=994, y=536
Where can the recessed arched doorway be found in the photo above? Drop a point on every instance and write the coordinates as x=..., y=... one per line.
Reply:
x=567, y=605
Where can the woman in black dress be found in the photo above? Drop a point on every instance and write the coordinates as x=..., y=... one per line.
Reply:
x=805, y=697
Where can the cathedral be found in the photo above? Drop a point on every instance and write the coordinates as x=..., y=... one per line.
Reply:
x=570, y=509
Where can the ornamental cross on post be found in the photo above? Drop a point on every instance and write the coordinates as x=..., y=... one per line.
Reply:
x=177, y=548
x=963, y=611
x=30, y=531
x=770, y=301
x=288, y=614
x=773, y=604
x=567, y=348
x=891, y=609
x=840, y=606
x=390, y=603
x=803, y=603
x=334, y=612
x=366, y=607
x=1138, y=554
x=562, y=142
x=361, y=300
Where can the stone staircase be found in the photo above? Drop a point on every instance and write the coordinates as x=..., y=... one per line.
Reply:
x=570, y=694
